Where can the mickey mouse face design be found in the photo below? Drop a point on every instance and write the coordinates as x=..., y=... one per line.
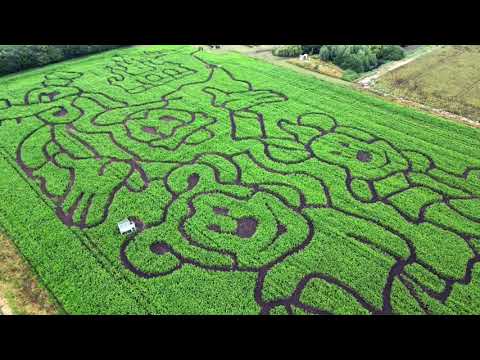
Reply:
x=216, y=227
x=365, y=158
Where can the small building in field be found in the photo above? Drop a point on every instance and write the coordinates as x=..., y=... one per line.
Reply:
x=126, y=227
x=304, y=57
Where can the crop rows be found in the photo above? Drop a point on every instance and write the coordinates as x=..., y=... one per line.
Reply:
x=254, y=190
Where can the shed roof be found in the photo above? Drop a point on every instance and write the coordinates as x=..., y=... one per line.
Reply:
x=126, y=226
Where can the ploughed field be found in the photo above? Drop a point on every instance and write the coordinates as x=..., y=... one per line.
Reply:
x=254, y=189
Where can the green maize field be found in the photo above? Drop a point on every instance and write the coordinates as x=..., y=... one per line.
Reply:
x=254, y=190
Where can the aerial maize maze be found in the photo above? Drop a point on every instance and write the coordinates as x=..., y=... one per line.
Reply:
x=254, y=190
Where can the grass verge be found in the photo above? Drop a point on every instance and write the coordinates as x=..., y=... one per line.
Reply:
x=18, y=286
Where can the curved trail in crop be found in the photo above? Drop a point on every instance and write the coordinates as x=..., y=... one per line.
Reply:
x=160, y=132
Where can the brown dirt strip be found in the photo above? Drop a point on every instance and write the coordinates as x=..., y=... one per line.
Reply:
x=20, y=292
x=409, y=103
x=4, y=308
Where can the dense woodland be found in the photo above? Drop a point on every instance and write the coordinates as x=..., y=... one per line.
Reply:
x=14, y=58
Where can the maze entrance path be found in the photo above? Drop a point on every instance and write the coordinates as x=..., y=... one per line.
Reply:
x=253, y=189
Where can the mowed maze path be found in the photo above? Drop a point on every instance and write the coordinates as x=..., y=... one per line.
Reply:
x=254, y=190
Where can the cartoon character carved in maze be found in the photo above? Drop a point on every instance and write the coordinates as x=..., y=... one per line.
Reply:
x=79, y=178
x=154, y=131
x=369, y=163
x=243, y=106
x=236, y=112
x=214, y=245
x=428, y=202
x=377, y=171
x=237, y=106
x=48, y=102
x=86, y=146
x=216, y=223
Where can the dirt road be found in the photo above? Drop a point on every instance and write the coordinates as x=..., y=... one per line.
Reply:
x=369, y=80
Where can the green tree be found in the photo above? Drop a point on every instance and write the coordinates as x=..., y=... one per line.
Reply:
x=391, y=53
x=288, y=51
x=14, y=58
x=311, y=49
x=325, y=53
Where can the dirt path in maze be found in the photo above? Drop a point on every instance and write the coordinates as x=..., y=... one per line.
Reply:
x=244, y=193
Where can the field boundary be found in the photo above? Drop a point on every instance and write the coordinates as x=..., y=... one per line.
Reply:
x=82, y=238
x=249, y=186
x=30, y=271
x=443, y=114
x=4, y=307
x=357, y=85
x=397, y=84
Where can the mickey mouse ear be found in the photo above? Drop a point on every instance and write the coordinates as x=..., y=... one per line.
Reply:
x=318, y=121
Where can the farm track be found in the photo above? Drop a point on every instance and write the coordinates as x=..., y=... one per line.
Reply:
x=194, y=179
x=449, y=116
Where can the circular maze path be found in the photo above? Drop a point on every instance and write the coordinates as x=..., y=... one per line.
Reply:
x=224, y=176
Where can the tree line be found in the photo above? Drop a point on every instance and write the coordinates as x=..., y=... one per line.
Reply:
x=15, y=58
x=357, y=58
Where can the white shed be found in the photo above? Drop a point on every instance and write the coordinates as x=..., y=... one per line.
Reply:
x=304, y=57
x=126, y=227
